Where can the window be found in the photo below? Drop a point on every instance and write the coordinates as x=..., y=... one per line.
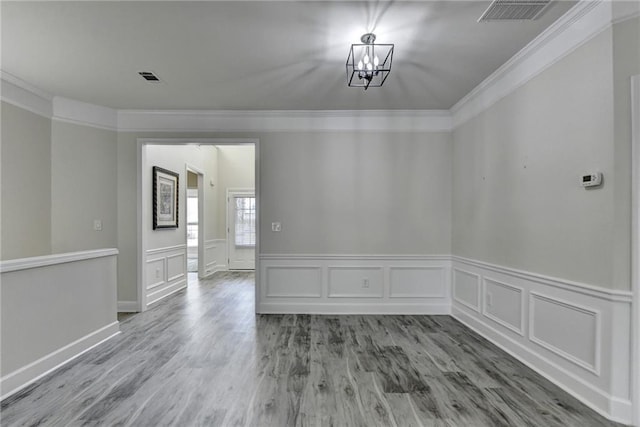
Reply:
x=245, y=221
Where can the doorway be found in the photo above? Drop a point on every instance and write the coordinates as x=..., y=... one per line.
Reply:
x=241, y=229
x=193, y=229
x=162, y=256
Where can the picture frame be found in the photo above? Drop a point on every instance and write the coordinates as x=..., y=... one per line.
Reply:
x=165, y=198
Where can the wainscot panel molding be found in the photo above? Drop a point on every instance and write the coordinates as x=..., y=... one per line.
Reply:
x=166, y=272
x=283, y=121
x=584, y=21
x=566, y=331
x=51, y=326
x=354, y=284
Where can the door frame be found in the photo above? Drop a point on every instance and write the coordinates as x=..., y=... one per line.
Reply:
x=201, y=218
x=246, y=192
x=143, y=194
x=635, y=246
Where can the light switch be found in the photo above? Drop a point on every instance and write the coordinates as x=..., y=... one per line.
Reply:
x=97, y=225
x=276, y=226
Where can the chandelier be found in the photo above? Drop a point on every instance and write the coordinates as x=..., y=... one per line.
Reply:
x=368, y=64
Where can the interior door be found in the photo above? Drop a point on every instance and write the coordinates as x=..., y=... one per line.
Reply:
x=241, y=230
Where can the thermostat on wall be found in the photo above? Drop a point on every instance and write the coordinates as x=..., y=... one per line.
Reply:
x=592, y=179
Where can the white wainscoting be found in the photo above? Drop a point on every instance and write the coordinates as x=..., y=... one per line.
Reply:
x=166, y=272
x=576, y=335
x=354, y=284
x=215, y=256
x=54, y=308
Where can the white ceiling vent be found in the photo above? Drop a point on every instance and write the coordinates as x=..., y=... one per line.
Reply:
x=514, y=10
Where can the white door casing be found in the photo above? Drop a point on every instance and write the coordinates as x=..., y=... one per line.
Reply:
x=241, y=247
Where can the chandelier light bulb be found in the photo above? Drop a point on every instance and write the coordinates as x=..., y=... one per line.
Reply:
x=366, y=58
x=369, y=66
x=376, y=60
x=360, y=65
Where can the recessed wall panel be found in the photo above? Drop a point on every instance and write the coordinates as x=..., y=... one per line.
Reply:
x=293, y=281
x=466, y=288
x=356, y=282
x=417, y=282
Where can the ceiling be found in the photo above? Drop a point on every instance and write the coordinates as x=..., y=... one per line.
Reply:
x=246, y=55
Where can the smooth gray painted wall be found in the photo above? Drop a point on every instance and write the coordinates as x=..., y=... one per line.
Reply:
x=236, y=169
x=356, y=193
x=175, y=159
x=26, y=183
x=83, y=181
x=517, y=198
x=626, y=63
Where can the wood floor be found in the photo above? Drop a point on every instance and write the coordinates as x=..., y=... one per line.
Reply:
x=202, y=357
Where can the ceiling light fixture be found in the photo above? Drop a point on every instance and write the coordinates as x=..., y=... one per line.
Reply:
x=368, y=64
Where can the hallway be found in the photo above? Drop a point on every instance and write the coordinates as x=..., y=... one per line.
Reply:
x=202, y=357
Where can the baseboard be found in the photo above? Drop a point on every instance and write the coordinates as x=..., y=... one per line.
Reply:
x=19, y=379
x=128, y=307
x=165, y=292
x=355, y=309
x=573, y=334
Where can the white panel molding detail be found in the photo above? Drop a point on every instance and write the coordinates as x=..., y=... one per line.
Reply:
x=45, y=260
x=336, y=284
x=421, y=290
x=128, y=307
x=495, y=318
x=172, y=274
x=84, y=114
x=602, y=342
x=592, y=367
x=289, y=286
x=284, y=120
x=21, y=94
x=19, y=379
x=580, y=24
x=478, y=288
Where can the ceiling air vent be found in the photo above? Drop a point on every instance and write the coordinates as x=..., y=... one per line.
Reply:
x=149, y=76
x=514, y=10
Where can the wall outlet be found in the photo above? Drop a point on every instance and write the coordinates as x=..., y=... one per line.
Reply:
x=276, y=226
x=365, y=283
x=97, y=225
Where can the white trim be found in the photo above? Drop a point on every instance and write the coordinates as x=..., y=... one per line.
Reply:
x=28, y=87
x=173, y=288
x=42, y=261
x=496, y=319
x=127, y=306
x=84, y=114
x=156, y=251
x=201, y=217
x=584, y=21
x=595, y=368
x=594, y=291
x=232, y=192
x=635, y=245
x=475, y=308
x=590, y=395
x=431, y=308
x=179, y=275
x=20, y=378
x=359, y=257
x=284, y=120
x=21, y=97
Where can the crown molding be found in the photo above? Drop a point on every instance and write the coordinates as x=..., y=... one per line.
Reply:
x=285, y=120
x=84, y=114
x=585, y=20
x=16, y=91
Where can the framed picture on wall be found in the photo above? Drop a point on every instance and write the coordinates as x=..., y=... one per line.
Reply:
x=165, y=198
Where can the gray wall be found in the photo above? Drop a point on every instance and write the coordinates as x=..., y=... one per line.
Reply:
x=517, y=198
x=236, y=169
x=26, y=183
x=626, y=63
x=83, y=178
x=356, y=193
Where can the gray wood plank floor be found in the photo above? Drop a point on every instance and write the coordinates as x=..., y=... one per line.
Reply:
x=202, y=357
